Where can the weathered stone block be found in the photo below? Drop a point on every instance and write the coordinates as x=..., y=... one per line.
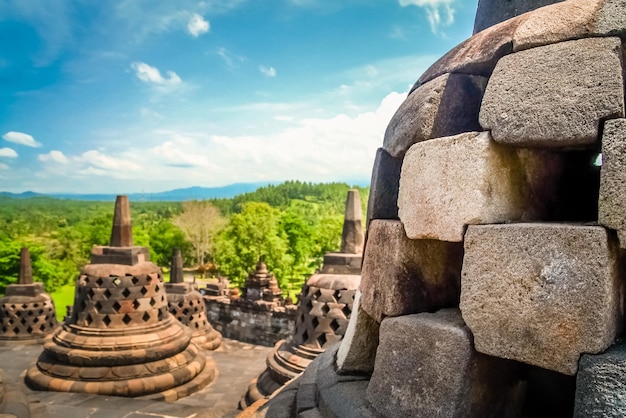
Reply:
x=383, y=198
x=600, y=384
x=612, y=199
x=541, y=293
x=426, y=367
x=357, y=351
x=537, y=97
x=491, y=12
x=560, y=22
x=447, y=183
x=447, y=105
x=401, y=276
x=477, y=55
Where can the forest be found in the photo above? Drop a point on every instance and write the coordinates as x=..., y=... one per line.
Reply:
x=291, y=225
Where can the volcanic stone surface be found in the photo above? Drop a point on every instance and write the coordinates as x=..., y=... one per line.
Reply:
x=445, y=106
x=401, y=276
x=541, y=294
x=358, y=346
x=447, y=183
x=439, y=374
x=537, y=97
x=612, y=199
x=383, y=198
x=492, y=12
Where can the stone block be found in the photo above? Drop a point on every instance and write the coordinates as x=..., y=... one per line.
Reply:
x=541, y=294
x=447, y=183
x=477, y=55
x=559, y=22
x=538, y=98
x=401, y=276
x=611, y=19
x=612, y=198
x=383, y=198
x=492, y=12
x=426, y=366
x=357, y=351
x=600, y=384
x=447, y=105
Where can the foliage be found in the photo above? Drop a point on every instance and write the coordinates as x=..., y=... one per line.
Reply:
x=292, y=225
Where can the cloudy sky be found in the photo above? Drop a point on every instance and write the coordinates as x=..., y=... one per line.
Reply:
x=123, y=96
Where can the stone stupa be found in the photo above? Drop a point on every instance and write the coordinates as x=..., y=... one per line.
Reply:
x=323, y=312
x=121, y=340
x=187, y=305
x=261, y=286
x=27, y=313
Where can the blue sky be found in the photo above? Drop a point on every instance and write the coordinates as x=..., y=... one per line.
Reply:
x=123, y=96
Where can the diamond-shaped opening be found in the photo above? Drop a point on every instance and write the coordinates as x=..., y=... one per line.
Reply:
x=197, y=325
x=29, y=313
x=99, y=282
x=185, y=311
x=157, y=288
x=334, y=325
x=180, y=303
x=35, y=320
x=86, y=279
x=4, y=329
x=305, y=335
x=152, y=302
x=12, y=306
x=149, y=279
x=83, y=305
x=107, y=293
x=16, y=330
x=29, y=330
x=321, y=339
x=315, y=322
x=106, y=320
x=337, y=294
x=317, y=294
x=134, y=280
x=160, y=315
x=116, y=281
x=125, y=292
x=98, y=305
x=136, y=304
x=90, y=293
x=146, y=317
x=18, y=313
x=309, y=305
x=23, y=321
x=24, y=306
x=116, y=306
x=346, y=311
x=143, y=290
x=127, y=319
x=325, y=309
x=162, y=298
x=35, y=305
x=10, y=321
x=42, y=328
x=89, y=319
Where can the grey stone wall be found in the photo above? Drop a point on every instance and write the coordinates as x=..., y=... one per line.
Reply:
x=250, y=322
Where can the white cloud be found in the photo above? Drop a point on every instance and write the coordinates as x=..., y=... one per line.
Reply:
x=8, y=152
x=150, y=74
x=439, y=13
x=3, y=166
x=268, y=71
x=101, y=161
x=21, y=138
x=230, y=58
x=55, y=156
x=197, y=25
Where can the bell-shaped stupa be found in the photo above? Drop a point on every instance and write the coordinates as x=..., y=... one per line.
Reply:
x=187, y=305
x=27, y=314
x=121, y=339
x=323, y=311
x=261, y=286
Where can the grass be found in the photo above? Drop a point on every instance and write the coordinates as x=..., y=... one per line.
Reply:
x=63, y=297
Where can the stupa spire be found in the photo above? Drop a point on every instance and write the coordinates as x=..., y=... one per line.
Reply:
x=122, y=231
x=26, y=270
x=176, y=269
x=352, y=236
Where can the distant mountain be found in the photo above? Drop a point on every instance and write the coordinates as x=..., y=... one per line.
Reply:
x=176, y=195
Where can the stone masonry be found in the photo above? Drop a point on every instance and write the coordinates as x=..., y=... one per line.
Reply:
x=498, y=290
